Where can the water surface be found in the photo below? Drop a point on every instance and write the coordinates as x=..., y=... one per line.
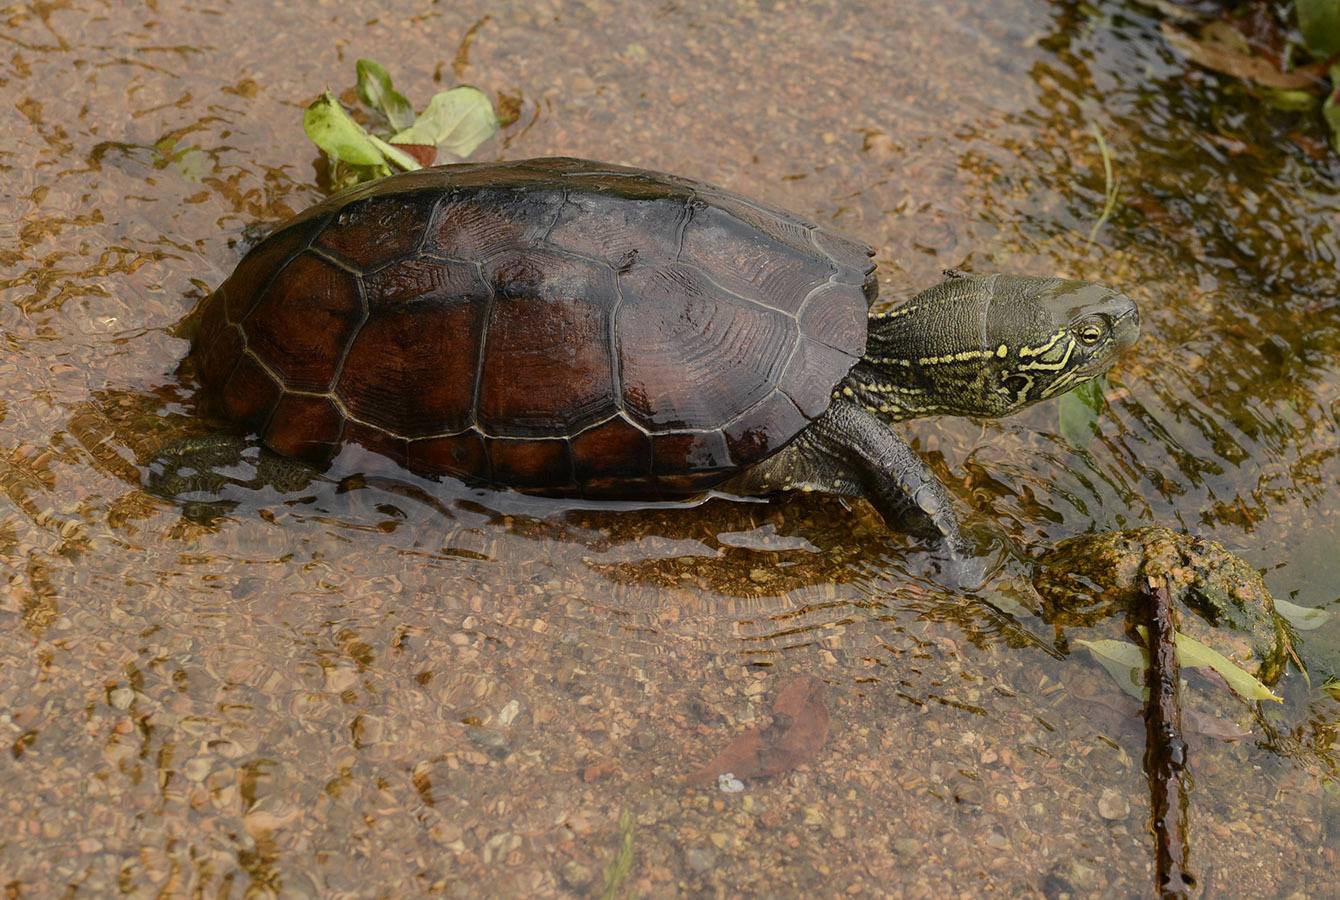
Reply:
x=410, y=687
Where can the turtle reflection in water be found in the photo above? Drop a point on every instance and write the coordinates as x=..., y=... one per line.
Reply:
x=567, y=327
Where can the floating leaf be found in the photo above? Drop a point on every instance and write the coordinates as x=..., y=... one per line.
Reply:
x=1078, y=413
x=331, y=129
x=1319, y=22
x=374, y=87
x=1332, y=687
x=457, y=121
x=423, y=154
x=395, y=154
x=1124, y=661
x=1192, y=654
x=1304, y=618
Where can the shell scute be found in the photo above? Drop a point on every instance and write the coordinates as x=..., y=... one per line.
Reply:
x=689, y=452
x=265, y=262
x=547, y=367
x=411, y=368
x=531, y=463
x=618, y=234
x=805, y=381
x=836, y=316
x=220, y=341
x=479, y=223
x=692, y=357
x=250, y=394
x=458, y=455
x=371, y=231
x=750, y=263
x=761, y=430
x=305, y=427
x=614, y=449
x=303, y=322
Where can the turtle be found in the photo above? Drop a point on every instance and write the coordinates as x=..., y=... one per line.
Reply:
x=568, y=327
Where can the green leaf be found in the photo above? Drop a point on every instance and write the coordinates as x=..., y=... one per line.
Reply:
x=331, y=129
x=1124, y=661
x=1304, y=618
x=457, y=121
x=395, y=154
x=191, y=163
x=1192, y=654
x=1290, y=101
x=1078, y=413
x=374, y=87
x=1319, y=21
x=1331, y=108
x=1332, y=687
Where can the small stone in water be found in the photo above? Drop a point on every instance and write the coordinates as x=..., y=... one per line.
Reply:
x=1113, y=806
x=700, y=859
x=729, y=784
x=121, y=698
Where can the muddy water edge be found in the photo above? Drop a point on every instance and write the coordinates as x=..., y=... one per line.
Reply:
x=438, y=689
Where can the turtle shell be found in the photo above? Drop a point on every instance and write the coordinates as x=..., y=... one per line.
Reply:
x=553, y=324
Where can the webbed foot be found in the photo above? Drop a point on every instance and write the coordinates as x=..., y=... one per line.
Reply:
x=199, y=473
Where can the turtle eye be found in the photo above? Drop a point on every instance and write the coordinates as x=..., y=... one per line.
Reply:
x=1090, y=331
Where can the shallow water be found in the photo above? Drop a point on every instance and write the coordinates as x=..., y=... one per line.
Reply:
x=408, y=687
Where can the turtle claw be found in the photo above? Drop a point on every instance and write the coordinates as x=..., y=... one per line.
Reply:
x=971, y=556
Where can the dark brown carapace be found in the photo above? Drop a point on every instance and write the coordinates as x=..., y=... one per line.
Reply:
x=555, y=325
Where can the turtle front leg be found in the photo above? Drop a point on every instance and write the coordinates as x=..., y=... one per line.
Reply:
x=851, y=452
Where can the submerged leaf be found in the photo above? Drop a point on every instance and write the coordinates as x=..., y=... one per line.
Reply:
x=374, y=87
x=1078, y=413
x=1233, y=57
x=1124, y=661
x=457, y=121
x=798, y=731
x=1304, y=618
x=331, y=129
x=1192, y=654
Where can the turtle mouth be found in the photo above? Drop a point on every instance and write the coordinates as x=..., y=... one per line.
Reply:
x=1126, y=329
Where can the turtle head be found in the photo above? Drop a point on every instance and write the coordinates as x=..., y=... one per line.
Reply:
x=989, y=345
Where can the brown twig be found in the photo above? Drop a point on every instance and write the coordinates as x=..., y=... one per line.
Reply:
x=1165, y=751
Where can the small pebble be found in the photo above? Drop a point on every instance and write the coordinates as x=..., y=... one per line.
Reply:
x=700, y=859
x=729, y=784
x=1113, y=806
